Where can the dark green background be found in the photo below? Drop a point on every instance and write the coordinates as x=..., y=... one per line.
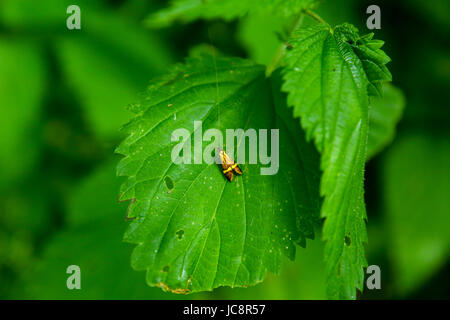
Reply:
x=62, y=101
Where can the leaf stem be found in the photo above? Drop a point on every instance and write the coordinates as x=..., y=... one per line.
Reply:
x=282, y=48
x=315, y=16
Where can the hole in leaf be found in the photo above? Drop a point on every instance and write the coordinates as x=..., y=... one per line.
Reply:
x=180, y=234
x=165, y=269
x=348, y=240
x=213, y=153
x=169, y=183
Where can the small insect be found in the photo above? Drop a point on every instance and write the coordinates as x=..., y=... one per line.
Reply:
x=228, y=165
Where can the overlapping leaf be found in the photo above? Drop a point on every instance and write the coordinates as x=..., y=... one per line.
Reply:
x=329, y=76
x=384, y=113
x=194, y=230
x=188, y=10
x=416, y=175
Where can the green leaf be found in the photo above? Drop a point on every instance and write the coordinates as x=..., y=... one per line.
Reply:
x=49, y=18
x=384, y=114
x=329, y=74
x=302, y=280
x=200, y=231
x=105, y=63
x=189, y=10
x=22, y=85
x=260, y=35
x=92, y=241
x=108, y=64
x=416, y=175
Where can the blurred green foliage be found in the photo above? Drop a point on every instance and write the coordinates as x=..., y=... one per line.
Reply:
x=62, y=100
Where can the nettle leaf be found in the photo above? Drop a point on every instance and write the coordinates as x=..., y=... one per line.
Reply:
x=189, y=10
x=194, y=230
x=329, y=75
x=384, y=114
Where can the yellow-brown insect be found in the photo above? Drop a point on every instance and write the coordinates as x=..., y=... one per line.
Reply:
x=228, y=165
